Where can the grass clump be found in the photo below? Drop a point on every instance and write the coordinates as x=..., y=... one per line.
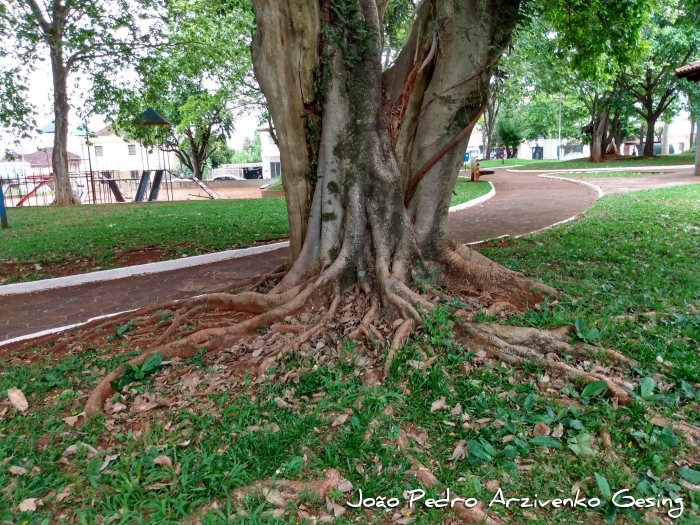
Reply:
x=466, y=190
x=93, y=236
x=628, y=274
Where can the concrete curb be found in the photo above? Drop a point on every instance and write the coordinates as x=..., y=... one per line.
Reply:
x=598, y=170
x=166, y=266
x=60, y=329
x=141, y=269
x=474, y=202
x=599, y=191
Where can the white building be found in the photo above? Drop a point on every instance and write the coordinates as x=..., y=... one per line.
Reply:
x=272, y=169
x=108, y=151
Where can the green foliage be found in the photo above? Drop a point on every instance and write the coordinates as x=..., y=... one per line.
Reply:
x=196, y=82
x=251, y=151
x=84, y=37
x=138, y=373
x=121, y=330
x=509, y=133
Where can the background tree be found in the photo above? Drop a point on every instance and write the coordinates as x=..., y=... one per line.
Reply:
x=251, y=151
x=509, y=133
x=197, y=87
x=76, y=35
x=672, y=40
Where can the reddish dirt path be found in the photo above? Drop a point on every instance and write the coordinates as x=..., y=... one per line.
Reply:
x=523, y=203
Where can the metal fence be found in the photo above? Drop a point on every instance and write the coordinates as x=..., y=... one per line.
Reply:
x=89, y=187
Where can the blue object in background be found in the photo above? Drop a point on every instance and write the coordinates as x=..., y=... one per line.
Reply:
x=3, y=213
x=466, y=157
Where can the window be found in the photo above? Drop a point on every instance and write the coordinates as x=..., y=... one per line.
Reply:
x=132, y=149
x=98, y=151
x=134, y=174
x=275, y=170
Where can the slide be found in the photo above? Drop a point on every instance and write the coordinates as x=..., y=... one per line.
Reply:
x=212, y=194
x=114, y=187
x=143, y=185
x=30, y=193
x=155, y=188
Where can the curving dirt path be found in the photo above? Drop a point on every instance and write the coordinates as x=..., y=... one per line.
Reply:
x=523, y=203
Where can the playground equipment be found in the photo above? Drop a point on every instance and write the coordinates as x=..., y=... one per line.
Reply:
x=38, y=184
x=212, y=194
x=3, y=212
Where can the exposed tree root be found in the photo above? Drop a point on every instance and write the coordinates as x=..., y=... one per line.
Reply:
x=365, y=328
x=104, y=389
x=400, y=337
x=516, y=346
x=468, y=272
x=473, y=515
x=305, y=336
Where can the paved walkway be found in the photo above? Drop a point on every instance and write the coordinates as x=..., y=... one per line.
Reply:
x=523, y=203
x=613, y=185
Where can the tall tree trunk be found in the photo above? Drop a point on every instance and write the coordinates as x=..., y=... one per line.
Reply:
x=600, y=125
x=382, y=150
x=649, y=143
x=196, y=168
x=59, y=157
x=693, y=125
x=285, y=61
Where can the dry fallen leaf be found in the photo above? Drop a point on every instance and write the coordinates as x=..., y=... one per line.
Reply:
x=459, y=452
x=558, y=431
x=437, y=404
x=457, y=410
x=18, y=471
x=118, y=407
x=140, y=408
x=339, y=420
x=541, y=430
x=71, y=421
x=17, y=399
x=73, y=449
x=493, y=485
x=344, y=485
x=273, y=496
x=30, y=504
x=163, y=461
x=64, y=493
x=108, y=460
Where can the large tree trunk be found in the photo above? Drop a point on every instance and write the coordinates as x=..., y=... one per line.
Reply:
x=59, y=157
x=692, y=134
x=649, y=143
x=382, y=149
x=600, y=125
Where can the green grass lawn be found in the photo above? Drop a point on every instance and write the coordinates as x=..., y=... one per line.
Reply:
x=606, y=174
x=660, y=160
x=628, y=271
x=466, y=190
x=90, y=236
x=506, y=162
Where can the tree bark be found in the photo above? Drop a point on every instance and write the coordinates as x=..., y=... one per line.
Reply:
x=361, y=137
x=285, y=60
x=649, y=143
x=693, y=125
x=59, y=157
x=600, y=125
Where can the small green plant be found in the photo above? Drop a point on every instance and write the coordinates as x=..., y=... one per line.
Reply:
x=120, y=331
x=134, y=373
x=589, y=336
